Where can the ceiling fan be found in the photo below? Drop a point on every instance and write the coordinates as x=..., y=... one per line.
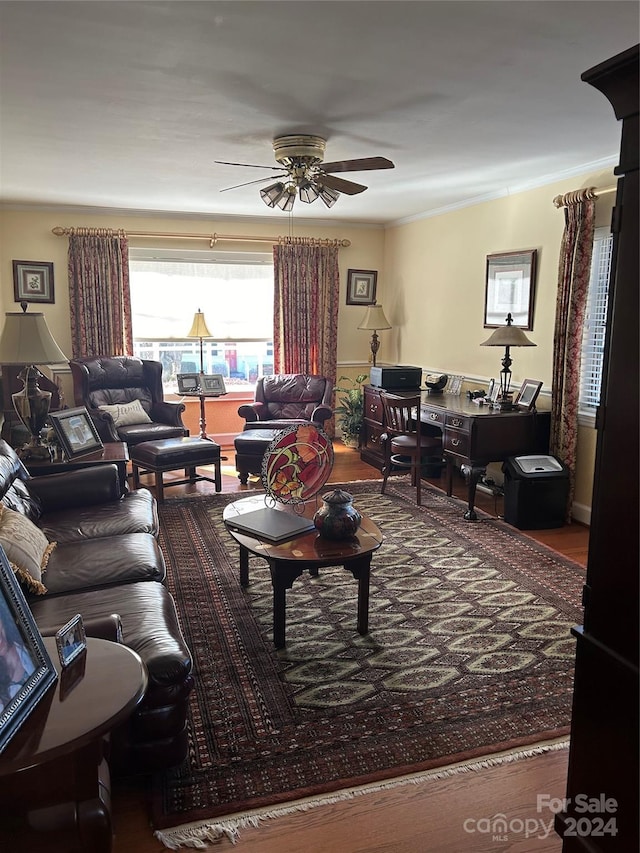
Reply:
x=305, y=174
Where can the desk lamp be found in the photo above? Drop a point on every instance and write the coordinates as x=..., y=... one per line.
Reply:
x=373, y=320
x=199, y=330
x=507, y=336
x=26, y=339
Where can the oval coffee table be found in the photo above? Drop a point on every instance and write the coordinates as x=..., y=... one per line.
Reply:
x=288, y=560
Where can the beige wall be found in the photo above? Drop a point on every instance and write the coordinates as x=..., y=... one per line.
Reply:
x=431, y=275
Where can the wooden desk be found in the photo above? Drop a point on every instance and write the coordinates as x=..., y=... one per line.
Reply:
x=472, y=435
x=54, y=780
x=113, y=453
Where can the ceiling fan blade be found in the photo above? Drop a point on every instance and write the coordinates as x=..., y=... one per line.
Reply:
x=258, y=181
x=339, y=184
x=247, y=165
x=362, y=165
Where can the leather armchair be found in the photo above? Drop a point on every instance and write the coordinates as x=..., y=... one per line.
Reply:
x=288, y=399
x=113, y=380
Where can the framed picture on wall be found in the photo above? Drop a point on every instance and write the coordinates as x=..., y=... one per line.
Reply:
x=33, y=281
x=510, y=289
x=361, y=287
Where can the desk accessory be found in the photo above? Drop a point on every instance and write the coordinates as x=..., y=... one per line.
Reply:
x=507, y=336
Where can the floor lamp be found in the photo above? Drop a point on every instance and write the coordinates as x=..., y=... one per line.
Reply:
x=26, y=339
x=199, y=330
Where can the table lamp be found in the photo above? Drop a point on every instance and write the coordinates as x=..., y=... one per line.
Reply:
x=199, y=330
x=507, y=336
x=373, y=320
x=26, y=339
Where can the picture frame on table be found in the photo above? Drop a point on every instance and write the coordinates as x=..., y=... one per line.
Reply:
x=188, y=383
x=510, y=289
x=76, y=432
x=71, y=640
x=528, y=394
x=33, y=281
x=361, y=287
x=212, y=384
x=23, y=657
x=455, y=385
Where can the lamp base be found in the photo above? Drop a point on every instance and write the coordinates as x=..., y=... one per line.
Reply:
x=36, y=451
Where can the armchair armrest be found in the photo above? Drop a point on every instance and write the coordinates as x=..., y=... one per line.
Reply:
x=168, y=413
x=104, y=424
x=102, y=627
x=252, y=411
x=321, y=414
x=69, y=489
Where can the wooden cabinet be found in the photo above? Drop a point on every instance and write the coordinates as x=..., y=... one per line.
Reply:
x=371, y=449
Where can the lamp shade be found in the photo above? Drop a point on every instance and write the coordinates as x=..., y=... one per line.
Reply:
x=26, y=339
x=374, y=319
x=199, y=327
x=508, y=336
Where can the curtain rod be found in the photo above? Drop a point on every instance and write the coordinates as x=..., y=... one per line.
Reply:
x=577, y=195
x=214, y=239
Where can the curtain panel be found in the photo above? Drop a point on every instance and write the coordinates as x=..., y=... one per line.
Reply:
x=574, y=272
x=99, y=296
x=306, y=291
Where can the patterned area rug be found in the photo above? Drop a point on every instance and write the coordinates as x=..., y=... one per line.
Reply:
x=468, y=654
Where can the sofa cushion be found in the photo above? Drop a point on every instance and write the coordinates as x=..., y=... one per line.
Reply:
x=27, y=548
x=135, y=512
x=126, y=414
x=98, y=563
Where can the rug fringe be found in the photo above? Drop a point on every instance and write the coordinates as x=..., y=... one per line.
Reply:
x=198, y=833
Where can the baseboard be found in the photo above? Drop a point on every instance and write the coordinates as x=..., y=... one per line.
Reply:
x=581, y=513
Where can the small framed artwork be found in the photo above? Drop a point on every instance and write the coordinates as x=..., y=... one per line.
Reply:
x=188, y=383
x=33, y=281
x=528, y=394
x=213, y=384
x=361, y=287
x=455, y=385
x=510, y=289
x=71, y=640
x=27, y=669
x=76, y=432
x=494, y=391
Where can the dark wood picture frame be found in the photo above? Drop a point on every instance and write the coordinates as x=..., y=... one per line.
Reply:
x=188, y=383
x=76, y=432
x=212, y=384
x=528, y=394
x=20, y=630
x=361, y=287
x=510, y=288
x=33, y=281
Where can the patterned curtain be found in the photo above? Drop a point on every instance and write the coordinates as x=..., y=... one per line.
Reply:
x=574, y=272
x=305, y=328
x=100, y=303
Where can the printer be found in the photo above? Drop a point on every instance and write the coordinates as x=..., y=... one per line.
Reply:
x=396, y=377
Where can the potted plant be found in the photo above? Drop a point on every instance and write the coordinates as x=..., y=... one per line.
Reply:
x=350, y=409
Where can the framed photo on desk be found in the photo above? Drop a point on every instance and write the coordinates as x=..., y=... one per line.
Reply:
x=528, y=394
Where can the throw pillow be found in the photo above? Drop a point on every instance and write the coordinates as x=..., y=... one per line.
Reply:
x=26, y=547
x=127, y=414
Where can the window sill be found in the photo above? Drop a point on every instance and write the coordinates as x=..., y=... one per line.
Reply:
x=587, y=419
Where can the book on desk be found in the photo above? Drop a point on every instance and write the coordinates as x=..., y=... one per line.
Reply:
x=274, y=525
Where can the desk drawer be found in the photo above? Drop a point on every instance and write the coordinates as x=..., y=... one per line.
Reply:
x=432, y=417
x=457, y=421
x=371, y=438
x=456, y=442
x=373, y=408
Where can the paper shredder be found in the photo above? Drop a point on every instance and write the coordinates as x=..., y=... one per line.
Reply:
x=536, y=490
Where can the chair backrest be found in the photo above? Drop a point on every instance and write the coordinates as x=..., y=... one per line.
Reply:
x=401, y=414
x=293, y=395
x=111, y=380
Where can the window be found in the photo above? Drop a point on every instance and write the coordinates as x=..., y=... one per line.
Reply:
x=595, y=324
x=235, y=293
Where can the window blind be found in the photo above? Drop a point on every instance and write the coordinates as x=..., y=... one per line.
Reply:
x=595, y=324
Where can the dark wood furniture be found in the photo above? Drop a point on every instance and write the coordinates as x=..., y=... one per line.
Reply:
x=603, y=757
x=472, y=435
x=288, y=560
x=54, y=779
x=113, y=453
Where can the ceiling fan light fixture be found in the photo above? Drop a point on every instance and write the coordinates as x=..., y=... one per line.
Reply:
x=272, y=194
x=286, y=200
x=328, y=196
x=308, y=192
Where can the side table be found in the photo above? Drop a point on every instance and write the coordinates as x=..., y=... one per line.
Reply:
x=54, y=778
x=113, y=453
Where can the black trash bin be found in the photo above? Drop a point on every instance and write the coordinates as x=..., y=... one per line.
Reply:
x=536, y=490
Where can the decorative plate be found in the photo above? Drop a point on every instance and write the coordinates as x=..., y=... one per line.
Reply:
x=297, y=464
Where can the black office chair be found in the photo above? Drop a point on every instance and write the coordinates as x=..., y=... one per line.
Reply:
x=405, y=445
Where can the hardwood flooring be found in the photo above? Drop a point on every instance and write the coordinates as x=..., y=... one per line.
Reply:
x=436, y=816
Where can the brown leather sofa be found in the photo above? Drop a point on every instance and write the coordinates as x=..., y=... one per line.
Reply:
x=107, y=561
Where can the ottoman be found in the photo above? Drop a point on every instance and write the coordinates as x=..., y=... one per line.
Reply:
x=169, y=454
x=250, y=448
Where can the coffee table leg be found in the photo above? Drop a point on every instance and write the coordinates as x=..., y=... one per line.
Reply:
x=360, y=568
x=244, y=566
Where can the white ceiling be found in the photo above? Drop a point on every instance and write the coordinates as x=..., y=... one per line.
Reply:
x=126, y=105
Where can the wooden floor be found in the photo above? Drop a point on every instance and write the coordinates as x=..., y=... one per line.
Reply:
x=449, y=815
